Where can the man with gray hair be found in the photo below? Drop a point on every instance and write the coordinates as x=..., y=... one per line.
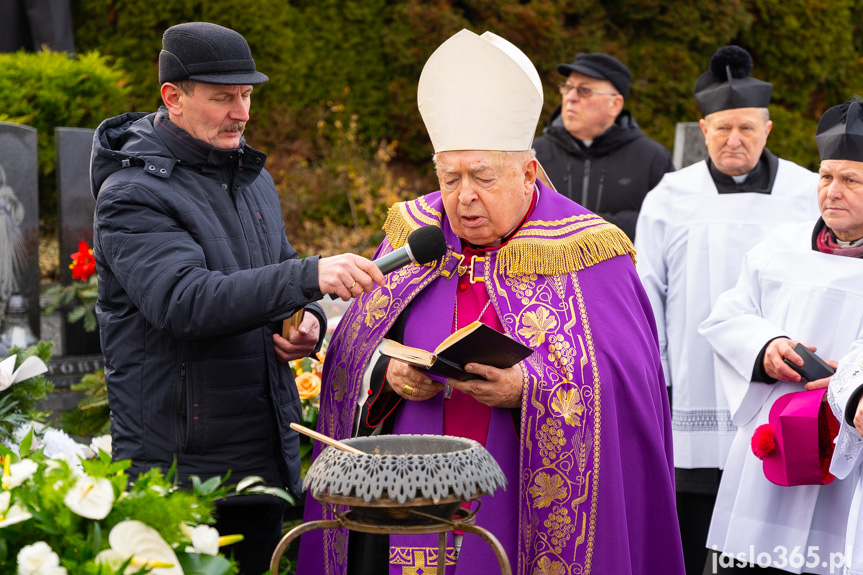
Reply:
x=580, y=428
x=195, y=279
x=693, y=231
x=798, y=292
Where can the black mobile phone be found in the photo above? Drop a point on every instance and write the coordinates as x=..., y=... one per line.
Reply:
x=813, y=366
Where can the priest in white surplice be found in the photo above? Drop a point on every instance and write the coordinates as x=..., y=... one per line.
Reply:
x=692, y=233
x=801, y=284
x=846, y=387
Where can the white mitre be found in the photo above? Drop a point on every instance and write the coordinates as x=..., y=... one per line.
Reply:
x=479, y=93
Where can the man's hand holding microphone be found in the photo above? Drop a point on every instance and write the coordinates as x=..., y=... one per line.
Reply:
x=346, y=276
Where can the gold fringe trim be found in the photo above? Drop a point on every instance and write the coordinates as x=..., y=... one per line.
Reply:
x=555, y=257
x=532, y=255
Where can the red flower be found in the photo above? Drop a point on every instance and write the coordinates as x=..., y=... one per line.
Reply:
x=83, y=265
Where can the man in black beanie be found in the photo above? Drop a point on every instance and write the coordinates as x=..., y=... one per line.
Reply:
x=693, y=231
x=593, y=150
x=196, y=276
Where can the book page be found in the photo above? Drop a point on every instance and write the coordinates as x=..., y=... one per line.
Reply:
x=406, y=353
x=457, y=335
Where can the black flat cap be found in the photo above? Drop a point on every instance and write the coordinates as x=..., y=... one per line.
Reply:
x=207, y=53
x=601, y=66
x=727, y=85
x=840, y=133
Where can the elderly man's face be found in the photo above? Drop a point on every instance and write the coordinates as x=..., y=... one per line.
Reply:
x=586, y=118
x=736, y=138
x=485, y=194
x=212, y=113
x=840, y=198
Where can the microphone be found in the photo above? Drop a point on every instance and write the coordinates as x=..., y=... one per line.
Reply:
x=425, y=245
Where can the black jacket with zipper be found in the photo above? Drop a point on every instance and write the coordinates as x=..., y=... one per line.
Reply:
x=195, y=274
x=610, y=177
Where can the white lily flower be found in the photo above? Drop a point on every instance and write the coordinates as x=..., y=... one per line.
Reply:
x=9, y=515
x=58, y=445
x=30, y=367
x=91, y=497
x=39, y=559
x=205, y=540
x=144, y=545
x=102, y=442
x=17, y=473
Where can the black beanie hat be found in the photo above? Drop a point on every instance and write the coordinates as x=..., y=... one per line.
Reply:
x=207, y=53
x=840, y=133
x=727, y=85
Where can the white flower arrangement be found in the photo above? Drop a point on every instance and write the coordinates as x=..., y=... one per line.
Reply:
x=58, y=498
x=53, y=514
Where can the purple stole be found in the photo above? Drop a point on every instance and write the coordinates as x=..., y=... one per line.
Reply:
x=547, y=518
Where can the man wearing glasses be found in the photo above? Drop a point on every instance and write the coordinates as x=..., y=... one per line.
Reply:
x=593, y=150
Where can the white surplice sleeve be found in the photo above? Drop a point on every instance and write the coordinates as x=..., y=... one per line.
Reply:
x=650, y=243
x=737, y=332
x=844, y=386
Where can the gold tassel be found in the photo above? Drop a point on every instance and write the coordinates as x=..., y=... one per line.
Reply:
x=551, y=256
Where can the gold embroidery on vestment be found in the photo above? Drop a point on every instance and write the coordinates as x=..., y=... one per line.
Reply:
x=419, y=560
x=597, y=422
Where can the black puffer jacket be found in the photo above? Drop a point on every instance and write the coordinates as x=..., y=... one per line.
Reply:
x=195, y=271
x=612, y=176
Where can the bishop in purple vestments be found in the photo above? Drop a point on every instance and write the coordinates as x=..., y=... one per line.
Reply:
x=581, y=428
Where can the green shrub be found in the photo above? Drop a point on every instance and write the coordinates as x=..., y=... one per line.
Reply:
x=310, y=50
x=313, y=49
x=49, y=89
x=335, y=193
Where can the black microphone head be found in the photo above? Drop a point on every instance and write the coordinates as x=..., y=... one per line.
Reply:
x=427, y=244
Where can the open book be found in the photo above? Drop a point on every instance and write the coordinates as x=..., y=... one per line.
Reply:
x=475, y=343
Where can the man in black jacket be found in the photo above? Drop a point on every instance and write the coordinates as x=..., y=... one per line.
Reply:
x=592, y=150
x=195, y=278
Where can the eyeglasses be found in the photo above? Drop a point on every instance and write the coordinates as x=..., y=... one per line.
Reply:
x=582, y=91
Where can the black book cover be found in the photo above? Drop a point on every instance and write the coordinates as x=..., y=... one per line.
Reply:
x=475, y=343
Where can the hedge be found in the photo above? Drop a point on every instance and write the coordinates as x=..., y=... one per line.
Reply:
x=49, y=89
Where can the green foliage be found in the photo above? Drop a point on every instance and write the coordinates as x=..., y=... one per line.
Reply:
x=310, y=50
x=18, y=402
x=335, y=199
x=92, y=417
x=364, y=58
x=152, y=498
x=82, y=294
x=50, y=89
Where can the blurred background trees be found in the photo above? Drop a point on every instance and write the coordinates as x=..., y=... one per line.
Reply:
x=339, y=117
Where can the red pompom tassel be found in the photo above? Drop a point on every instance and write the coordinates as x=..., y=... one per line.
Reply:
x=763, y=441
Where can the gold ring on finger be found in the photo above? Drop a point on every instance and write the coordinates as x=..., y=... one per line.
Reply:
x=408, y=390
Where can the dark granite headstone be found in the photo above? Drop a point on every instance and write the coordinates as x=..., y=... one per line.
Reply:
x=76, y=202
x=19, y=218
x=75, y=219
x=689, y=146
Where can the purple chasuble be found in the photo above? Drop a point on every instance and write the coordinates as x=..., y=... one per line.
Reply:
x=590, y=473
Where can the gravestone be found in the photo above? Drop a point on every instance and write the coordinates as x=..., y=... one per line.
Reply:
x=689, y=146
x=75, y=219
x=19, y=218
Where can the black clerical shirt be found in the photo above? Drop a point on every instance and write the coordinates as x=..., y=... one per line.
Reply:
x=760, y=180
